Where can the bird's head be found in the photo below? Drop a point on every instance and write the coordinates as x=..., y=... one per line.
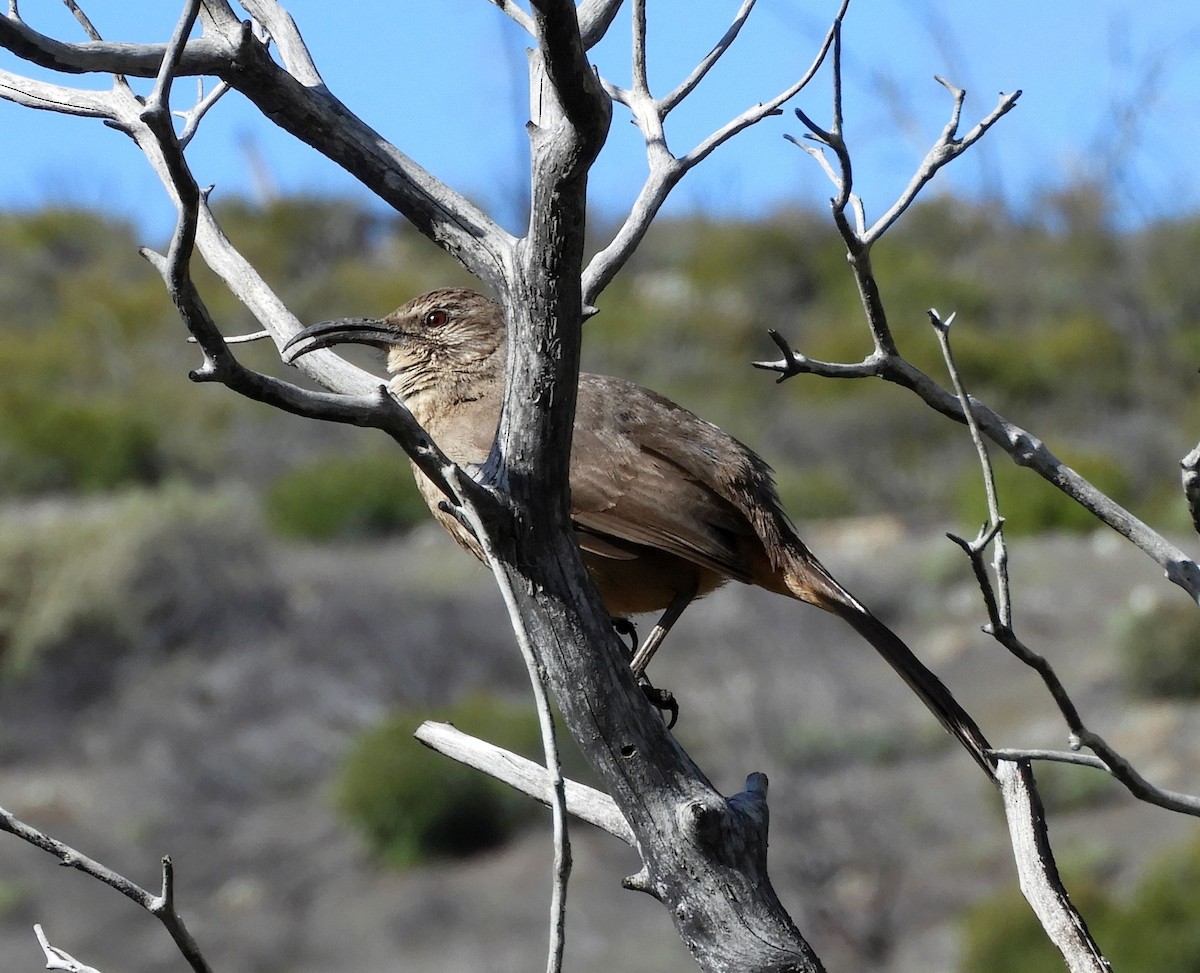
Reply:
x=451, y=338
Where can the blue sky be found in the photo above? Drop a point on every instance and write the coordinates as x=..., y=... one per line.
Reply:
x=1110, y=86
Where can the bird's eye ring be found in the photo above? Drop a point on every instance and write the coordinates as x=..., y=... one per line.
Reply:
x=436, y=318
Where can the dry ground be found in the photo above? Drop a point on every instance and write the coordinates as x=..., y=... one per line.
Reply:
x=221, y=751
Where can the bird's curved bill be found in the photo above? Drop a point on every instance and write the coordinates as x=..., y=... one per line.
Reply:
x=357, y=331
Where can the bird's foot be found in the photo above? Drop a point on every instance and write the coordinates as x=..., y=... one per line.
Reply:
x=662, y=700
x=627, y=630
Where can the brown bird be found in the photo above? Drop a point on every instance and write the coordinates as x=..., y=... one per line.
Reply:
x=666, y=507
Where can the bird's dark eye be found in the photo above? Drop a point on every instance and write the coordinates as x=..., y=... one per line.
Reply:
x=436, y=318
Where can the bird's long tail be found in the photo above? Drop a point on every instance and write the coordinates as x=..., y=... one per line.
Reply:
x=923, y=682
x=815, y=585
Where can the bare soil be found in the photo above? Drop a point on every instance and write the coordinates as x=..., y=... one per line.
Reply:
x=220, y=748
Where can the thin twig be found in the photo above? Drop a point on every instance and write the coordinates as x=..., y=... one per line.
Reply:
x=1003, y=607
x=516, y=14
x=689, y=83
x=999, y=612
x=193, y=117
x=160, y=906
x=59, y=959
x=666, y=169
x=541, y=697
x=93, y=34
x=948, y=147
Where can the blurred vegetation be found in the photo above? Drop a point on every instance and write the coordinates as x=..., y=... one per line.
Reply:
x=412, y=805
x=345, y=497
x=83, y=583
x=1033, y=506
x=1153, y=930
x=1085, y=334
x=1158, y=645
x=1064, y=788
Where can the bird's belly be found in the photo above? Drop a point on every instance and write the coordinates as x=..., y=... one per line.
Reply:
x=647, y=582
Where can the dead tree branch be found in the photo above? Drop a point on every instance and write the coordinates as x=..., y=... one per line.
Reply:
x=161, y=906
x=666, y=168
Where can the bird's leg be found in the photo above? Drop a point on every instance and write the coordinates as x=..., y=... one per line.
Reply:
x=642, y=657
x=662, y=700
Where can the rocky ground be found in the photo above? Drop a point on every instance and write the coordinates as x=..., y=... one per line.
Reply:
x=219, y=742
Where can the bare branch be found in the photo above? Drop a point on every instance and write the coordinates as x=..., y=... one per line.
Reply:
x=947, y=148
x=294, y=99
x=84, y=22
x=60, y=959
x=641, y=83
x=756, y=113
x=1051, y=756
x=45, y=96
x=666, y=169
x=1021, y=445
x=158, y=104
x=999, y=613
x=585, y=803
x=1038, y=872
x=160, y=906
x=688, y=85
x=516, y=14
x=154, y=133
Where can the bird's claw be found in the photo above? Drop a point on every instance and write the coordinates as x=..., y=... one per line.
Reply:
x=662, y=700
x=626, y=629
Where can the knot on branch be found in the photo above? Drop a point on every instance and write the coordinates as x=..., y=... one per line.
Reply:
x=1185, y=573
x=734, y=831
x=250, y=50
x=1028, y=449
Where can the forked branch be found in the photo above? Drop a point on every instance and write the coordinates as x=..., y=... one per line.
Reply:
x=161, y=906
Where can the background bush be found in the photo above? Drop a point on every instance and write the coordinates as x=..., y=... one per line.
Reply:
x=83, y=583
x=1030, y=505
x=1153, y=931
x=94, y=393
x=411, y=804
x=342, y=497
x=1159, y=649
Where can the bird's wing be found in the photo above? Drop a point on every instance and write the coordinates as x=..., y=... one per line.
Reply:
x=648, y=489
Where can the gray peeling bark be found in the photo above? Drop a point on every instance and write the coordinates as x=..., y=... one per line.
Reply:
x=704, y=856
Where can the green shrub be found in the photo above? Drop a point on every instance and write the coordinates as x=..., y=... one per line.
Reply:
x=1158, y=930
x=345, y=497
x=411, y=804
x=1065, y=787
x=1030, y=505
x=1159, y=650
x=1154, y=931
x=92, y=445
x=816, y=494
x=82, y=582
x=1000, y=934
